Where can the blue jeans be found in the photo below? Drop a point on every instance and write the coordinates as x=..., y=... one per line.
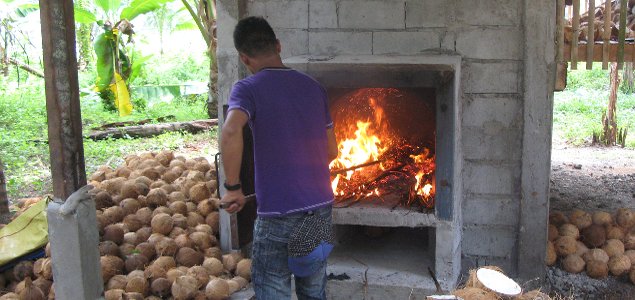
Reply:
x=269, y=271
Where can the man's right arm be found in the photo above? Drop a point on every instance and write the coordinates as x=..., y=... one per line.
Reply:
x=231, y=153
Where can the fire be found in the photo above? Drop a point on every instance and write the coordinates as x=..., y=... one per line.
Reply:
x=373, y=161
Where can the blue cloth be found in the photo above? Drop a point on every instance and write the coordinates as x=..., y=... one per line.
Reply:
x=288, y=115
x=271, y=275
x=304, y=266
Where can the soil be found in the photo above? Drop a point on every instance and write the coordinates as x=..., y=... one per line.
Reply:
x=591, y=179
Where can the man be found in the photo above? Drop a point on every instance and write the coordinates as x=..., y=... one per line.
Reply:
x=293, y=144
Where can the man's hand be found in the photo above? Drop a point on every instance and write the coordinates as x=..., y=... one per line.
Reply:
x=235, y=200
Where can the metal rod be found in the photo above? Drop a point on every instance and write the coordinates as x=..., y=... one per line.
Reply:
x=340, y=171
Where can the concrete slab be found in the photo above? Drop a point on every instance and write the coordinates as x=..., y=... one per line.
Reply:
x=384, y=213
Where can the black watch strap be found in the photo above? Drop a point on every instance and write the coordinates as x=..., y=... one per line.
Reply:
x=234, y=187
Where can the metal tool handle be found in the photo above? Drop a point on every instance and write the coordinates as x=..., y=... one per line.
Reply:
x=247, y=198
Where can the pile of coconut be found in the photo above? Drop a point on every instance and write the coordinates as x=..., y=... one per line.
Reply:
x=490, y=283
x=599, y=244
x=158, y=225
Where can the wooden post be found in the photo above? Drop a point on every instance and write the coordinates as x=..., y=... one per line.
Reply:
x=576, y=34
x=4, y=198
x=590, y=37
x=622, y=35
x=560, y=30
x=607, y=34
x=62, y=97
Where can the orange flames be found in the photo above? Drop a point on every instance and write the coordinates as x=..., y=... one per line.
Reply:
x=389, y=164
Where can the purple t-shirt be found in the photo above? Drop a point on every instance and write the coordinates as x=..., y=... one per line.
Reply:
x=288, y=115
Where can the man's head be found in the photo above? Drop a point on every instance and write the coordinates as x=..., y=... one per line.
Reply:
x=254, y=37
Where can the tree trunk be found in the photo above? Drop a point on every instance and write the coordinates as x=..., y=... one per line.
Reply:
x=5, y=58
x=610, y=120
x=629, y=77
x=84, y=44
x=153, y=129
x=4, y=198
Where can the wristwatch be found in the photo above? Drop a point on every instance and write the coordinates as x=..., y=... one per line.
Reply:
x=234, y=187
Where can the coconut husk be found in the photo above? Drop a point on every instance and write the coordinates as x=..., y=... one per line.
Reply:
x=473, y=293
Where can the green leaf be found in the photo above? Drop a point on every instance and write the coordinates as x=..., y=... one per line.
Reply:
x=105, y=51
x=108, y=5
x=25, y=9
x=151, y=92
x=138, y=7
x=84, y=16
x=189, y=25
x=137, y=65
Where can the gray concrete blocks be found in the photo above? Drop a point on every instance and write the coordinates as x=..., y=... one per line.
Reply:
x=322, y=14
x=281, y=13
x=488, y=12
x=490, y=43
x=491, y=77
x=490, y=178
x=505, y=109
x=495, y=211
x=489, y=241
x=371, y=14
x=333, y=43
x=430, y=13
x=492, y=143
x=294, y=42
x=405, y=42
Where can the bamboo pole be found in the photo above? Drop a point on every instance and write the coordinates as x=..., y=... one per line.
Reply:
x=576, y=34
x=607, y=34
x=560, y=30
x=590, y=37
x=622, y=36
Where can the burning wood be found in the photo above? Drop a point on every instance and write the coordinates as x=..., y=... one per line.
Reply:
x=374, y=159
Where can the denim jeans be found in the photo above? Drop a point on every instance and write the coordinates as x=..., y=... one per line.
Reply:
x=270, y=272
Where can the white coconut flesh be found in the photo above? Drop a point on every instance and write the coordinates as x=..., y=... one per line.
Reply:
x=498, y=282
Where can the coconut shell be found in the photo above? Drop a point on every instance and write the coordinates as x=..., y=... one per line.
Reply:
x=243, y=268
x=183, y=241
x=111, y=266
x=178, y=207
x=30, y=291
x=217, y=289
x=230, y=261
x=565, y=245
x=569, y=230
x=23, y=270
x=619, y=264
x=533, y=295
x=170, y=176
x=129, y=189
x=613, y=248
x=184, y=287
x=625, y=218
x=199, y=192
x=241, y=281
x=126, y=249
x=43, y=284
x=205, y=207
x=130, y=206
x=602, y=218
x=117, y=282
x=614, y=232
x=138, y=285
x=594, y=236
x=135, y=262
x=186, y=187
x=145, y=215
x=144, y=233
x=143, y=179
x=102, y=222
x=173, y=274
x=631, y=276
x=213, y=220
x=176, y=231
x=159, y=183
x=114, y=214
x=573, y=264
x=161, y=287
x=474, y=294
x=213, y=265
x=201, y=240
x=161, y=210
x=103, y=200
x=180, y=220
x=164, y=157
x=204, y=228
x=123, y=171
x=551, y=257
x=177, y=197
x=558, y=218
x=553, y=233
x=580, y=219
x=131, y=238
x=597, y=255
x=169, y=188
x=157, y=197
x=146, y=249
x=597, y=269
x=113, y=186
x=137, y=273
x=200, y=273
x=162, y=223
x=155, y=238
x=629, y=240
x=214, y=252
x=581, y=249
x=132, y=222
x=166, y=247
x=114, y=294
x=189, y=257
x=233, y=286
x=631, y=255
x=98, y=176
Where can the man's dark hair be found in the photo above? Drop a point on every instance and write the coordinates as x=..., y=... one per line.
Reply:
x=254, y=36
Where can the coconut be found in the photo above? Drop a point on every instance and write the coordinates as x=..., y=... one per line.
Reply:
x=614, y=247
x=162, y=223
x=170, y=176
x=202, y=167
x=211, y=185
x=201, y=240
x=129, y=189
x=145, y=180
x=625, y=217
x=217, y=289
x=214, y=252
x=180, y=221
x=629, y=240
x=173, y=274
x=135, y=262
x=151, y=173
x=157, y=197
x=581, y=249
x=137, y=273
x=614, y=232
x=200, y=273
x=230, y=261
x=111, y=266
x=533, y=295
x=243, y=268
x=183, y=241
x=594, y=236
x=474, y=294
x=178, y=207
x=144, y=233
x=619, y=264
x=130, y=205
x=569, y=230
x=213, y=221
x=631, y=255
x=597, y=269
x=580, y=219
x=189, y=257
x=164, y=157
x=199, y=192
x=597, y=255
x=113, y=186
x=602, y=218
x=117, y=282
x=553, y=233
x=157, y=184
x=186, y=186
x=176, y=231
x=103, y=200
x=160, y=267
x=205, y=207
x=131, y=238
x=126, y=249
x=98, y=176
x=204, y=228
x=161, y=210
x=551, y=257
x=161, y=287
x=102, y=222
x=23, y=270
x=233, y=286
x=155, y=238
x=43, y=284
x=46, y=270
x=191, y=207
x=176, y=162
x=142, y=189
x=565, y=245
x=241, y=281
x=177, y=196
x=184, y=287
x=558, y=218
x=166, y=247
x=132, y=296
x=114, y=294
x=213, y=265
x=169, y=188
x=146, y=249
x=145, y=215
x=114, y=214
x=190, y=163
x=30, y=291
x=573, y=264
x=137, y=285
x=132, y=222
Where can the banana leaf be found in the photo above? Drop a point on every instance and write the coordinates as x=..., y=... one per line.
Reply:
x=122, y=96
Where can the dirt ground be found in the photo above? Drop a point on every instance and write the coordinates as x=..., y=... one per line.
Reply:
x=591, y=179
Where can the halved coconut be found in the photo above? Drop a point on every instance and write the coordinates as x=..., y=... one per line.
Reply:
x=498, y=282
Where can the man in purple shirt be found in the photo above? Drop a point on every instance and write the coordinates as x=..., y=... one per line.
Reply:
x=293, y=145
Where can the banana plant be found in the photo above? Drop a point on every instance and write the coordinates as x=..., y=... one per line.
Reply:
x=116, y=65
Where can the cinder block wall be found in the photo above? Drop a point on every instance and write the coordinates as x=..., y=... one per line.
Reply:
x=508, y=68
